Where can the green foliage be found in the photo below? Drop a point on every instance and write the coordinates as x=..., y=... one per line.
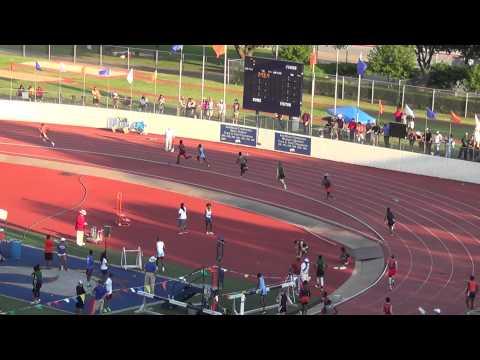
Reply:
x=473, y=78
x=445, y=76
x=393, y=61
x=298, y=53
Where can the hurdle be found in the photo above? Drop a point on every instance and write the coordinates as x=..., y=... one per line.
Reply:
x=138, y=259
x=122, y=219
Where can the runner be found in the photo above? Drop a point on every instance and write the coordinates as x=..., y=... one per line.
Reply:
x=242, y=160
x=320, y=272
x=182, y=219
x=305, y=270
x=390, y=220
x=160, y=253
x=182, y=152
x=201, y=157
x=37, y=283
x=44, y=136
x=281, y=175
x=109, y=288
x=392, y=271
x=471, y=291
x=327, y=184
x=208, y=219
x=387, y=307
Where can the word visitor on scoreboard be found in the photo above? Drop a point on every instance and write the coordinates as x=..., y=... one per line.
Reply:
x=238, y=135
x=293, y=143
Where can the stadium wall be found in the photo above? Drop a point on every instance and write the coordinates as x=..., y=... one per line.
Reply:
x=351, y=153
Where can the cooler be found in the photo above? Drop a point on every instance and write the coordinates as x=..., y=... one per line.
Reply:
x=15, y=247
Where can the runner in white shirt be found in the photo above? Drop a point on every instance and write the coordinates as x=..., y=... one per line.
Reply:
x=182, y=219
x=304, y=270
x=109, y=288
x=208, y=219
x=160, y=253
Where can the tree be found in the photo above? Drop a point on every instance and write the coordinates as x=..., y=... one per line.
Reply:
x=473, y=78
x=298, y=53
x=393, y=61
x=245, y=50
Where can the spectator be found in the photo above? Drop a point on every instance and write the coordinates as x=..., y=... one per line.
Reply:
x=80, y=291
x=305, y=121
x=20, y=90
x=411, y=123
x=160, y=253
x=96, y=96
x=204, y=108
x=411, y=138
x=210, y=106
x=464, y=148
x=236, y=111
x=376, y=133
x=386, y=135
x=150, y=270
x=304, y=296
x=191, y=107
x=115, y=99
x=62, y=254
x=283, y=301
x=109, y=294
x=80, y=226
x=340, y=124
x=471, y=147
x=428, y=142
x=262, y=290
x=161, y=104
x=104, y=265
x=143, y=103
x=221, y=110
x=279, y=121
x=99, y=292
x=352, y=128
x=450, y=146
x=438, y=139
x=37, y=283
x=182, y=219
x=360, y=133
x=321, y=266
x=40, y=93
x=48, y=250
x=182, y=107
x=368, y=133
x=90, y=266
x=398, y=114
x=31, y=93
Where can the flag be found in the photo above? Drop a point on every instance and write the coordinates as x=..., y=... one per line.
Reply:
x=380, y=105
x=130, y=76
x=104, y=72
x=176, y=48
x=313, y=58
x=431, y=115
x=455, y=118
x=361, y=66
x=12, y=67
x=154, y=76
x=219, y=50
x=37, y=66
x=408, y=111
x=62, y=68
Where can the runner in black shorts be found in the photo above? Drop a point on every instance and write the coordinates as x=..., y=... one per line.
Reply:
x=390, y=220
x=281, y=175
x=182, y=152
x=242, y=160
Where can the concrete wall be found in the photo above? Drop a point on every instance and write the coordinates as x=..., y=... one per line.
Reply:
x=389, y=159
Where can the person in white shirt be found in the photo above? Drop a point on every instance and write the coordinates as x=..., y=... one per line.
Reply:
x=182, y=219
x=109, y=288
x=221, y=110
x=210, y=109
x=437, y=139
x=208, y=219
x=160, y=253
x=104, y=264
x=304, y=270
x=169, y=140
x=411, y=122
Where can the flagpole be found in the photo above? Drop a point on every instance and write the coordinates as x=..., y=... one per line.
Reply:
x=203, y=80
x=108, y=87
x=225, y=84
x=336, y=86
x=59, y=86
x=358, y=94
x=84, y=75
x=11, y=80
x=35, y=86
x=131, y=92
x=425, y=135
x=180, y=74
x=155, y=89
x=313, y=93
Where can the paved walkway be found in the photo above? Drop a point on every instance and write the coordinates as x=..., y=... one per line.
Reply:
x=368, y=254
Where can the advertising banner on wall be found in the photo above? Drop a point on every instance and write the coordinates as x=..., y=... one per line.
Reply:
x=238, y=135
x=293, y=143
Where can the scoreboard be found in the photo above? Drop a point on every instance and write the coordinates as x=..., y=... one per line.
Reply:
x=273, y=86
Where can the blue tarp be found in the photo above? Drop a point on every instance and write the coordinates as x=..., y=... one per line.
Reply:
x=350, y=113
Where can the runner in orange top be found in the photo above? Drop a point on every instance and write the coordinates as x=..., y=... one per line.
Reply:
x=471, y=291
x=387, y=307
x=392, y=271
x=43, y=133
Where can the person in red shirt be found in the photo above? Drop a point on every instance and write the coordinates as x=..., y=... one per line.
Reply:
x=80, y=226
x=49, y=246
x=387, y=307
x=305, y=121
x=182, y=151
x=392, y=271
x=471, y=291
x=398, y=114
x=352, y=127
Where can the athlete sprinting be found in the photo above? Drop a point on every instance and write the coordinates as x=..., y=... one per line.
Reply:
x=242, y=160
x=327, y=184
x=201, y=157
x=392, y=271
x=43, y=134
x=387, y=307
x=182, y=151
x=281, y=175
x=390, y=220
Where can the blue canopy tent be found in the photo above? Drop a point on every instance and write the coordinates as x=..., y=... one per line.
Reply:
x=350, y=113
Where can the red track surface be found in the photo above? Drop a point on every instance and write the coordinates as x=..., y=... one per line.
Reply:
x=436, y=242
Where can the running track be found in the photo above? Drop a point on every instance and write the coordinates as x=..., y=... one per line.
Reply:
x=436, y=241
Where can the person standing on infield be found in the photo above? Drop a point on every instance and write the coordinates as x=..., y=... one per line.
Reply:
x=390, y=220
x=160, y=253
x=208, y=219
x=392, y=271
x=242, y=160
x=262, y=290
x=36, y=283
x=182, y=219
x=281, y=175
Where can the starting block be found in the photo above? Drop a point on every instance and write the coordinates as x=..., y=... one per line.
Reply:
x=122, y=219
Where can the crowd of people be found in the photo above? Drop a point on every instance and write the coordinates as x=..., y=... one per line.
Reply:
x=207, y=109
x=32, y=93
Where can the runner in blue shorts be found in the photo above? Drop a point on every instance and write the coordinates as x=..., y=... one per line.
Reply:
x=201, y=157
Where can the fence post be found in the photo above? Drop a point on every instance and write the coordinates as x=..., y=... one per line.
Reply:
x=74, y=54
x=156, y=59
x=466, y=105
x=343, y=87
x=128, y=58
x=399, y=87
x=101, y=55
x=433, y=100
x=49, y=52
x=403, y=96
x=373, y=90
x=24, y=48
